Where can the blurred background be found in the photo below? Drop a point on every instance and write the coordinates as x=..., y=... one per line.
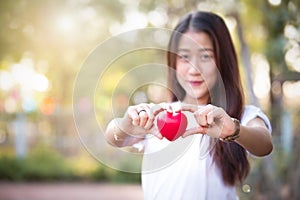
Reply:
x=44, y=43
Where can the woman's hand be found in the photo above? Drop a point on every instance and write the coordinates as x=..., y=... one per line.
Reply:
x=139, y=119
x=211, y=120
x=134, y=125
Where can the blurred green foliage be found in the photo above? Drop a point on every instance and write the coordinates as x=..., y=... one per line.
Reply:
x=45, y=164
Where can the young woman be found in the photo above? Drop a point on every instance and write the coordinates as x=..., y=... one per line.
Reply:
x=204, y=76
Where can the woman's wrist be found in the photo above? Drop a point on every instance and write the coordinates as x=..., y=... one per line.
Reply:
x=117, y=136
x=118, y=132
x=235, y=134
x=124, y=131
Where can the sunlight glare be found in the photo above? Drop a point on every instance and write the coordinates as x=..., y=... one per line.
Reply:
x=292, y=57
x=6, y=81
x=275, y=2
x=40, y=83
x=158, y=18
x=10, y=105
x=261, y=79
x=22, y=74
x=27, y=78
x=291, y=90
x=291, y=32
x=65, y=23
x=231, y=23
x=134, y=20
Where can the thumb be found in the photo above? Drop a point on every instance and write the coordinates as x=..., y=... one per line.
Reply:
x=195, y=130
x=158, y=135
x=154, y=131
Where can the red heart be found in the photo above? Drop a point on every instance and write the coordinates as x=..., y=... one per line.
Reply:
x=171, y=125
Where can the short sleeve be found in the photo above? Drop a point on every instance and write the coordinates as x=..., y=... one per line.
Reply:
x=251, y=112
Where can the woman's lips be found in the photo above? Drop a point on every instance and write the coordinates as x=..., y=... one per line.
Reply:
x=195, y=83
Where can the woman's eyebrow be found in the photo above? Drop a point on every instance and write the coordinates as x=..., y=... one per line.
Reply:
x=184, y=49
x=206, y=49
x=200, y=49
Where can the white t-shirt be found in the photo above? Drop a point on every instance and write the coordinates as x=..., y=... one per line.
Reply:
x=184, y=169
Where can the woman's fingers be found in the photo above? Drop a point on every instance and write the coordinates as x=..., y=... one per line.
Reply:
x=190, y=107
x=143, y=115
x=210, y=121
x=133, y=115
x=206, y=115
x=176, y=107
x=143, y=118
x=214, y=114
x=212, y=131
x=151, y=129
x=195, y=130
x=136, y=114
x=201, y=116
x=157, y=108
x=154, y=131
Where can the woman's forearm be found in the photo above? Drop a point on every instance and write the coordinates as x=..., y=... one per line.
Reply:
x=256, y=139
x=117, y=137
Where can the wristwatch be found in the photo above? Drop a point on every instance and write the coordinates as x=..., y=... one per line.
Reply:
x=236, y=133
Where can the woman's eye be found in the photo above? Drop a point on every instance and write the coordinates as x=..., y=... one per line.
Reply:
x=205, y=57
x=184, y=57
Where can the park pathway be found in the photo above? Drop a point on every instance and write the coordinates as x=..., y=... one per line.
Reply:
x=69, y=191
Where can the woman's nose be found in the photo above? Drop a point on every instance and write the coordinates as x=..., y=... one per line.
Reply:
x=194, y=68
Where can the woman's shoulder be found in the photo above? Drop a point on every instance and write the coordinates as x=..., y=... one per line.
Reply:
x=251, y=111
x=251, y=108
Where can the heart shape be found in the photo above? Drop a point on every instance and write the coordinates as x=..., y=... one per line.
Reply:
x=171, y=125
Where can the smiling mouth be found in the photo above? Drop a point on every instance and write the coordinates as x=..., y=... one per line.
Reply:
x=195, y=83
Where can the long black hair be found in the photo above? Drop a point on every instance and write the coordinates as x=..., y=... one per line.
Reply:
x=231, y=158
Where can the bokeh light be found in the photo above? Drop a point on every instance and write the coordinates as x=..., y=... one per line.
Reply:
x=10, y=105
x=28, y=105
x=261, y=79
x=275, y=2
x=246, y=188
x=291, y=93
x=40, y=82
x=47, y=106
x=6, y=80
x=65, y=23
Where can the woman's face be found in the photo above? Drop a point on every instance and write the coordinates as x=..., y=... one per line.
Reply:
x=196, y=70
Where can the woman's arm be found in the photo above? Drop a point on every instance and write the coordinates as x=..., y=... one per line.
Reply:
x=255, y=137
x=215, y=122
